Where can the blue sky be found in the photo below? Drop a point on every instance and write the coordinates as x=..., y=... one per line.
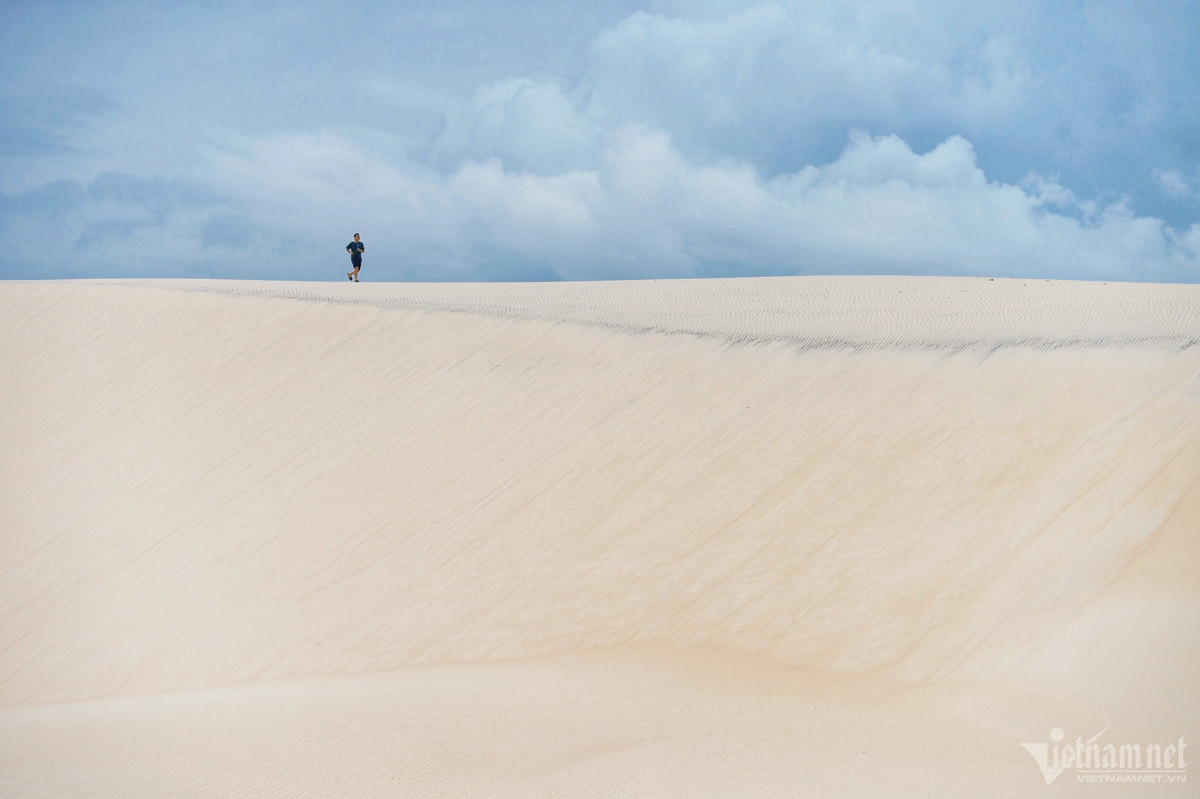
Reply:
x=552, y=139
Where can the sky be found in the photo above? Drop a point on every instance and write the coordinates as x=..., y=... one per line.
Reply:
x=564, y=140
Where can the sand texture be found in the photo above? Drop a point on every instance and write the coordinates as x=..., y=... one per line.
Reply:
x=763, y=537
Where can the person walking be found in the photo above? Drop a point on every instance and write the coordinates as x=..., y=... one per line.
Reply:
x=355, y=248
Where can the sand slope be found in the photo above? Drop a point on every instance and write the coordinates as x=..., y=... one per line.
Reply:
x=666, y=538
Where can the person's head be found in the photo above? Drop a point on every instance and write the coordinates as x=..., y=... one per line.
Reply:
x=356, y=237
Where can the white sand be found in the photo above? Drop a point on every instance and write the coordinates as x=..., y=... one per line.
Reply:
x=768, y=537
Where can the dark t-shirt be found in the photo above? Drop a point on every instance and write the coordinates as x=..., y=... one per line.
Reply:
x=355, y=248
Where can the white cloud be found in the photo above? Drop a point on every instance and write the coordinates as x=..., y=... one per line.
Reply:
x=883, y=207
x=870, y=161
x=693, y=136
x=996, y=82
x=1174, y=184
x=528, y=123
x=779, y=75
x=648, y=210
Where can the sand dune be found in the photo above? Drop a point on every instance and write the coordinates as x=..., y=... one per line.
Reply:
x=793, y=536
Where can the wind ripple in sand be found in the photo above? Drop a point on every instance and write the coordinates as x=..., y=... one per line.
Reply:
x=922, y=516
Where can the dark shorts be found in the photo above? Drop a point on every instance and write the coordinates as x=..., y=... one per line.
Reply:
x=356, y=261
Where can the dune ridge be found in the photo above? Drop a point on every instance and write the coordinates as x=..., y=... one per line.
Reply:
x=830, y=312
x=982, y=494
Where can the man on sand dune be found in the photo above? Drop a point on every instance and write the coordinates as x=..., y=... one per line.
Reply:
x=355, y=248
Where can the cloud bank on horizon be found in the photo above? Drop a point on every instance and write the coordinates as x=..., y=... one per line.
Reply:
x=536, y=139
